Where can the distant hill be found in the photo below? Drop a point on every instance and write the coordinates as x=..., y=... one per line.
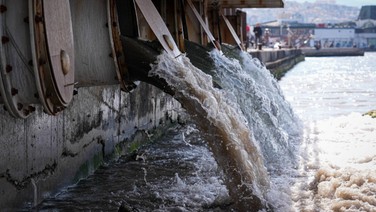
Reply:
x=304, y=12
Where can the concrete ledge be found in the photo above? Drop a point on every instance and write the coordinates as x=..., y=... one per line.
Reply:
x=280, y=67
x=326, y=52
x=279, y=61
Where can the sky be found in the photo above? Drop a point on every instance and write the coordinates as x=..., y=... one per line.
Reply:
x=353, y=3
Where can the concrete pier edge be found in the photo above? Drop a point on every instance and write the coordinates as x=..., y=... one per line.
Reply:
x=43, y=154
x=279, y=61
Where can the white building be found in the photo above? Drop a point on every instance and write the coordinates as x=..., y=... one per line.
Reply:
x=335, y=37
x=366, y=28
x=366, y=38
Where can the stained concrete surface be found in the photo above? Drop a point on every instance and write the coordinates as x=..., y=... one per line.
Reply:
x=43, y=153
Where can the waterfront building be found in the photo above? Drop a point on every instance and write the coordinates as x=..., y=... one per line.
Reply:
x=366, y=28
x=334, y=37
x=290, y=31
x=366, y=38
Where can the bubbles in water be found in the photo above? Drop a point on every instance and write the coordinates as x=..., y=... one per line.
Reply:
x=270, y=117
x=251, y=96
x=221, y=122
x=341, y=157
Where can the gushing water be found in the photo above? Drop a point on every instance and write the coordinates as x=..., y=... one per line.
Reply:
x=269, y=115
x=242, y=123
x=237, y=120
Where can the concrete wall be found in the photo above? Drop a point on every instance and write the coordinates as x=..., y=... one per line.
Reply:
x=43, y=153
x=279, y=61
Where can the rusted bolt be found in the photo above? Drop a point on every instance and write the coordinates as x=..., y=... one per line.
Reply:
x=3, y=8
x=8, y=68
x=38, y=18
x=19, y=106
x=65, y=62
x=13, y=91
x=4, y=39
x=26, y=19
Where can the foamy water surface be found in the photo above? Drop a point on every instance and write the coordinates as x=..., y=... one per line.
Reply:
x=337, y=170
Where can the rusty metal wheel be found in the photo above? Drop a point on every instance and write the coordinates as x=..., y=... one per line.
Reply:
x=17, y=86
x=53, y=52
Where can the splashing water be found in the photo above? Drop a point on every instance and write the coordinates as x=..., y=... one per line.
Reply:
x=223, y=126
x=251, y=101
x=269, y=115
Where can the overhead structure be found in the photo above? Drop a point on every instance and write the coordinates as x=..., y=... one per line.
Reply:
x=50, y=47
x=203, y=24
x=247, y=3
x=159, y=27
x=233, y=33
x=117, y=49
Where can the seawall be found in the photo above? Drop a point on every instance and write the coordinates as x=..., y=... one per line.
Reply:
x=279, y=61
x=44, y=153
x=328, y=52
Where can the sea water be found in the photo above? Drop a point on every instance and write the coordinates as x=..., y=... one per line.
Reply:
x=337, y=170
x=288, y=171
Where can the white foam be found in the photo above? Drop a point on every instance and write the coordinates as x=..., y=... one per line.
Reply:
x=343, y=150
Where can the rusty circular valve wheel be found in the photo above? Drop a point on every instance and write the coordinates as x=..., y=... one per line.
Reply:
x=17, y=86
x=117, y=49
x=53, y=52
